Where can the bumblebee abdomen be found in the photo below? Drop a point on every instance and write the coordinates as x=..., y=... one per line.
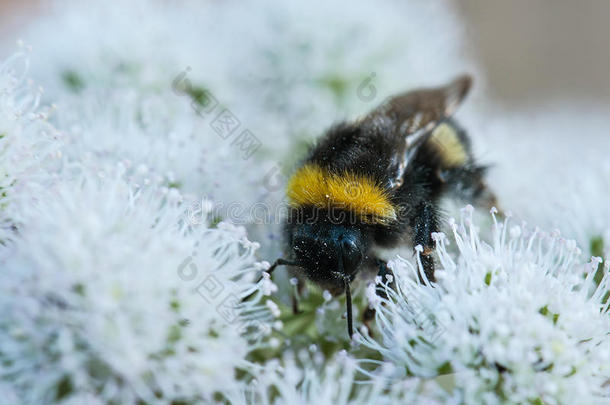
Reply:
x=450, y=144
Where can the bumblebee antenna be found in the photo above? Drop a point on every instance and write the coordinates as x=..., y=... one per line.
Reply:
x=280, y=262
x=348, y=302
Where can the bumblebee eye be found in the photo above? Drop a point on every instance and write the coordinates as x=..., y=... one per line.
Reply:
x=352, y=257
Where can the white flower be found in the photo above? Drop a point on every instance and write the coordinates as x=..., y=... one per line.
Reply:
x=107, y=295
x=28, y=144
x=306, y=379
x=512, y=322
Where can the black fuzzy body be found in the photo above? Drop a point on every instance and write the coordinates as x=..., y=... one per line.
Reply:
x=415, y=153
x=369, y=149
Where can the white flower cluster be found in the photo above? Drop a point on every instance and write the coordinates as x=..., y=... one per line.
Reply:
x=120, y=282
x=29, y=146
x=107, y=294
x=519, y=320
x=309, y=378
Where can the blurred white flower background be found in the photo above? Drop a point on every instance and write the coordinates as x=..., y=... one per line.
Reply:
x=143, y=150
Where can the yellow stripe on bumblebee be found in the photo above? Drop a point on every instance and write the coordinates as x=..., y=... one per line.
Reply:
x=448, y=143
x=312, y=185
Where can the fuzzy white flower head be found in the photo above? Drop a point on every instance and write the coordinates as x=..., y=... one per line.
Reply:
x=306, y=379
x=28, y=144
x=107, y=295
x=122, y=97
x=512, y=322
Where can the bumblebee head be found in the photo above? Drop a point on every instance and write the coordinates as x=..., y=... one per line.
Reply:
x=330, y=254
x=329, y=251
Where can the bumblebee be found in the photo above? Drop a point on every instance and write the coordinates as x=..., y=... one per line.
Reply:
x=376, y=182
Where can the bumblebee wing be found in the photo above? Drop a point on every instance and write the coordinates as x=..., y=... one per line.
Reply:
x=423, y=108
x=412, y=116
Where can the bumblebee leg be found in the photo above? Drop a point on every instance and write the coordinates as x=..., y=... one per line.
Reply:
x=387, y=276
x=425, y=222
x=482, y=195
x=295, y=304
x=367, y=317
x=300, y=286
x=384, y=272
x=468, y=184
x=485, y=197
